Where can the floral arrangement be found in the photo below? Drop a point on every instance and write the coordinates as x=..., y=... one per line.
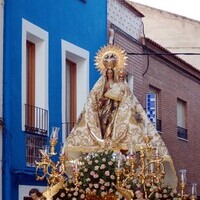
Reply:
x=97, y=179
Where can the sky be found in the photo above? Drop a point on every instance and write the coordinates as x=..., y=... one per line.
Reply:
x=186, y=8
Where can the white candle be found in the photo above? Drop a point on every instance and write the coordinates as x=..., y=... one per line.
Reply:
x=182, y=178
x=118, y=163
x=76, y=165
x=46, y=149
x=54, y=134
x=63, y=149
x=193, y=189
x=131, y=150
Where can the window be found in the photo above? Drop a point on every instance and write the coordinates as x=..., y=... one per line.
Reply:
x=153, y=107
x=34, y=89
x=34, y=79
x=181, y=119
x=75, y=84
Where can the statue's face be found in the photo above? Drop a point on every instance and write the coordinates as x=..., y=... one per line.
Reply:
x=121, y=78
x=110, y=74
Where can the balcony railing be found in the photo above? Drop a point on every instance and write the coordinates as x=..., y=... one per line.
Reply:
x=182, y=132
x=36, y=120
x=67, y=127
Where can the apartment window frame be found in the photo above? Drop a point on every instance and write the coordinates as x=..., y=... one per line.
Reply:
x=181, y=112
x=37, y=38
x=80, y=57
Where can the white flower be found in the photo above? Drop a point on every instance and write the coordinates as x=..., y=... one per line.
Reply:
x=103, y=194
x=164, y=196
x=101, y=181
x=96, y=176
x=148, y=184
x=102, y=166
x=107, y=184
x=102, y=187
x=89, y=162
x=96, y=161
x=157, y=195
x=172, y=194
x=96, y=185
x=110, y=163
x=151, y=189
x=110, y=190
x=112, y=177
x=62, y=194
x=92, y=173
x=82, y=174
x=104, y=159
x=75, y=193
x=82, y=196
x=85, y=170
x=96, y=167
x=87, y=190
x=107, y=173
x=164, y=191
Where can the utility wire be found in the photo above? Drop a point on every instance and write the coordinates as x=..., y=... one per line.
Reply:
x=132, y=53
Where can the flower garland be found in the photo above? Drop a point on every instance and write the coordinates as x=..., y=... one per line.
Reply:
x=98, y=179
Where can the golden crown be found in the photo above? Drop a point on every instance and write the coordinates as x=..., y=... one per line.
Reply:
x=110, y=56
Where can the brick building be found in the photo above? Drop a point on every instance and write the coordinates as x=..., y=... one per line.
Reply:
x=175, y=84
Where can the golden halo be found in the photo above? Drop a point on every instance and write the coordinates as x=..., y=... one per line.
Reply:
x=110, y=56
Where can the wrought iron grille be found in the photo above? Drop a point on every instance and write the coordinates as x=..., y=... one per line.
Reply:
x=33, y=144
x=36, y=120
x=182, y=132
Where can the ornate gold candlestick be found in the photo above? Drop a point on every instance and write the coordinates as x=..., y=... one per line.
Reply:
x=146, y=167
x=55, y=172
x=118, y=173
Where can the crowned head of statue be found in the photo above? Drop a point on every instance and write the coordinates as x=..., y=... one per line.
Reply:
x=122, y=75
x=110, y=57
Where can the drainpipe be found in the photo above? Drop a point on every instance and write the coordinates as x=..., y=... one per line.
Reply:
x=1, y=88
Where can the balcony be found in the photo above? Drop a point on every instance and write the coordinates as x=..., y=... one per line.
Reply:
x=36, y=120
x=182, y=133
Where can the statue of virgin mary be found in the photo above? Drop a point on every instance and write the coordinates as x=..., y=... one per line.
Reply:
x=112, y=117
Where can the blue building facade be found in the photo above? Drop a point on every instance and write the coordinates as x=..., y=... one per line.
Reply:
x=49, y=49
